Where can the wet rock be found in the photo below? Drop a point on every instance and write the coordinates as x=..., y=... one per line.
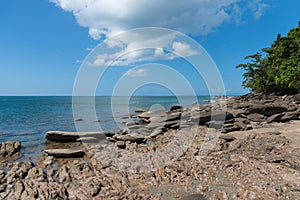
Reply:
x=78, y=120
x=65, y=153
x=63, y=136
x=176, y=107
x=140, y=111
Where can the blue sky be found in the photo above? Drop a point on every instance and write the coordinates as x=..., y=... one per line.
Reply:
x=43, y=43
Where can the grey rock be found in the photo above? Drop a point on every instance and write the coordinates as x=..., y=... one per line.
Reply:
x=297, y=98
x=140, y=111
x=131, y=138
x=290, y=116
x=65, y=153
x=227, y=138
x=266, y=109
x=88, y=139
x=274, y=118
x=256, y=117
x=176, y=107
x=9, y=148
x=121, y=144
x=63, y=136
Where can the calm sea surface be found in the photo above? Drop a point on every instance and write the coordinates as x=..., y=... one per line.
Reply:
x=27, y=119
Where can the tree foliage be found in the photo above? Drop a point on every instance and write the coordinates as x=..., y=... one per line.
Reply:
x=275, y=69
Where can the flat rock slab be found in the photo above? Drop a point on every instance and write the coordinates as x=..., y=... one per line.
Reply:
x=65, y=153
x=63, y=136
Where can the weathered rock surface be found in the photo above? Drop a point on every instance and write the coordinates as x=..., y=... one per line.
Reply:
x=64, y=136
x=258, y=163
x=65, y=153
x=9, y=148
x=262, y=163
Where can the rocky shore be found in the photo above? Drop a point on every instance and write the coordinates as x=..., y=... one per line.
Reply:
x=245, y=147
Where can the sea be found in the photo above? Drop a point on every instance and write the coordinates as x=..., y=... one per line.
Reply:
x=27, y=118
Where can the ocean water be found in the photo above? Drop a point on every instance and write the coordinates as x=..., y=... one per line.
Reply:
x=27, y=119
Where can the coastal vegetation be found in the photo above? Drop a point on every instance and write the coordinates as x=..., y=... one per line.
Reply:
x=275, y=69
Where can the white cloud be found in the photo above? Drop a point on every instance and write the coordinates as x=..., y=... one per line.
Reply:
x=197, y=17
x=105, y=19
x=183, y=49
x=258, y=8
x=140, y=72
x=136, y=47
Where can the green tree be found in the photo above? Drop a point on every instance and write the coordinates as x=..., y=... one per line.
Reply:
x=279, y=70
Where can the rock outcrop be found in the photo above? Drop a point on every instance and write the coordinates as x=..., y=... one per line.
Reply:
x=8, y=149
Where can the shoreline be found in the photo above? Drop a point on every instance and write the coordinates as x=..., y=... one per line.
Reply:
x=267, y=156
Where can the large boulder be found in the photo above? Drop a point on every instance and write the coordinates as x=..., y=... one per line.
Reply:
x=204, y=117
x=130, y=137
x=256, y=117
x=290, y=116
x=64, y=136
x=297, y=98
x=176, y=107
x=266, y=109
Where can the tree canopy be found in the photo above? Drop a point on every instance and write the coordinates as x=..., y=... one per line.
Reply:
x=275, y=69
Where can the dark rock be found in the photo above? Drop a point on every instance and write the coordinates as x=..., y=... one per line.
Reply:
x=65, y=153
x=121, y=144
x=144, y=121
x=290, y=116
x=204, y=117
x=256, y=117
x=63, y=136
x=176, y=107
x=145, y=115
x=266, y=109
x=173, y=116
x=230, y=129
x=140, y=111
x=78, y=120
x=132, y=138
x=297, y=98
x=227, y=138
x=274, y=118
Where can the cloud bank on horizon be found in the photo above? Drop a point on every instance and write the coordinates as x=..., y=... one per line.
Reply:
x=196, y=17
